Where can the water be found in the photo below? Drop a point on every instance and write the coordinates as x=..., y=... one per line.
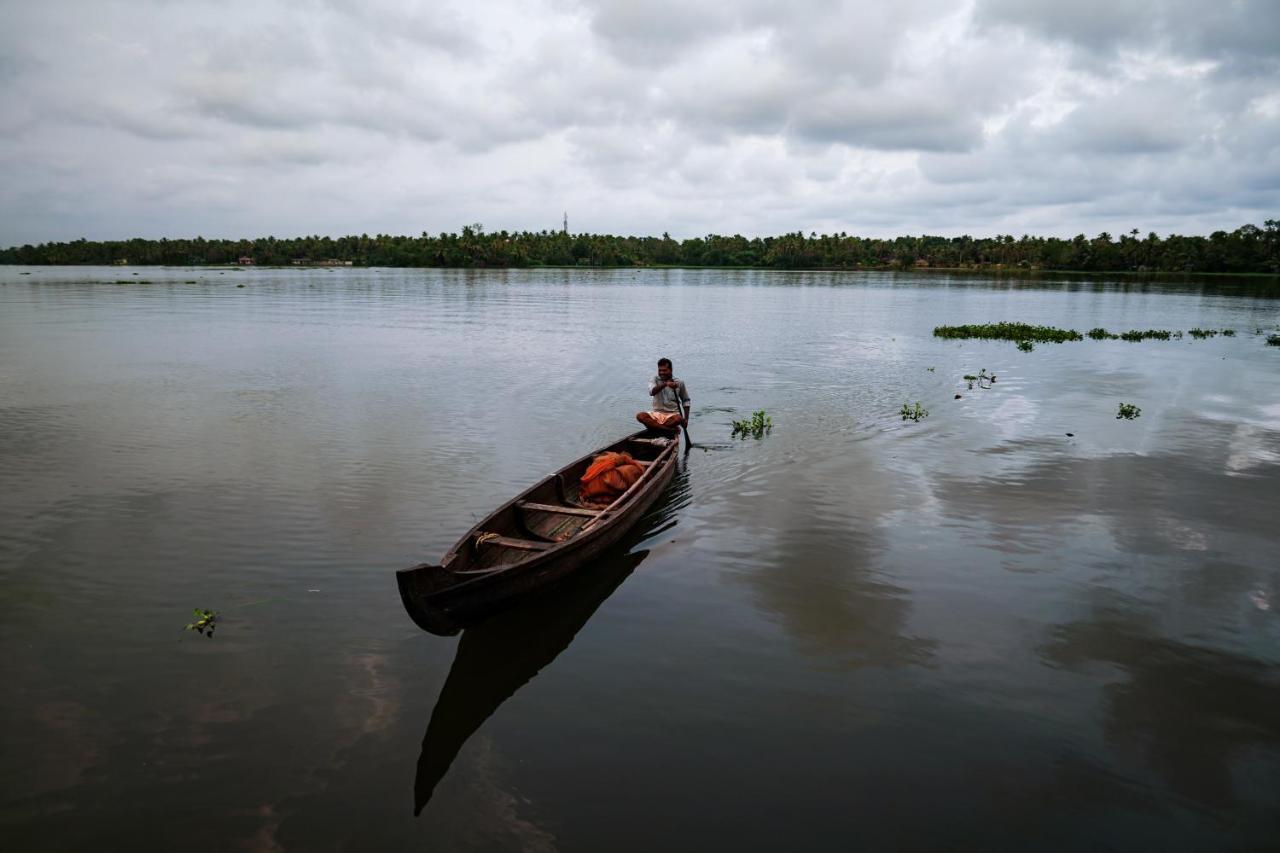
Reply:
x=974, y=631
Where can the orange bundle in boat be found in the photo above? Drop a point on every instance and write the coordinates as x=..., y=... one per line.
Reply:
x=609, y=476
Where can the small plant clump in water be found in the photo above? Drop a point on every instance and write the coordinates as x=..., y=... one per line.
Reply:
x=1009, y=332
x=1128, y=411
x=914, y=413
x=1026, y=346
x=983, y=379
x=1101, y=334
x=1228, y=333
x=759, y=424
x=1201, y=334
x=206, y=621
x=1273, y=340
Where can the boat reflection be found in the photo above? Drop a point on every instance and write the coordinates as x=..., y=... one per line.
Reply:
x=497, y=657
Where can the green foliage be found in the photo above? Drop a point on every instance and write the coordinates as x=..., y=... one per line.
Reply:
x=914, y=413
x=1026, y=346
x=1273, y=340
x=206, y=621
x=1009, y=332
x=1100, y=334
x=1248, y=249
x=1135, y=335
x=1201, y=334
x=983, y=379
x=1228, y=333
x=759, y=424
x=1128, y=411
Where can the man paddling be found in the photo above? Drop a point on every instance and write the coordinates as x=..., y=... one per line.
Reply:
x=667, y=392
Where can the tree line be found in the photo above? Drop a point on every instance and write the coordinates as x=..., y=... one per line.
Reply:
x=1248, y=249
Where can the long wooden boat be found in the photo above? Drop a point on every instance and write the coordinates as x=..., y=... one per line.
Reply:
x=533, y=540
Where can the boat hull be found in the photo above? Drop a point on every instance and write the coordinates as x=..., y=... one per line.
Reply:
x=443, y=601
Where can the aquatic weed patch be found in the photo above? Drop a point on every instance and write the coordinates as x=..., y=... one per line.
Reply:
x=1026, y=336
x=1008, y=332
x=984, y=379
x=1135, y=335
x=759, y=424
x=1273, y=340
x=205, y=622
x=1128, y=411
x=913, y=413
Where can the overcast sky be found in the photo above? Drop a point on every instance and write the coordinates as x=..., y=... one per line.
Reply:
x=176, y=118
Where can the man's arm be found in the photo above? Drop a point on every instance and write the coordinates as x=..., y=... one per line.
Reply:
x=656, y=388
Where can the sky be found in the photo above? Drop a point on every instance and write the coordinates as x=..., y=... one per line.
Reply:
x=183, y=118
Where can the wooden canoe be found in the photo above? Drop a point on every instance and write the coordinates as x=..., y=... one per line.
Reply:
x=533, y=540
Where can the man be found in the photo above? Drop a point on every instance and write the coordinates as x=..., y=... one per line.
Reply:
x=664, y=390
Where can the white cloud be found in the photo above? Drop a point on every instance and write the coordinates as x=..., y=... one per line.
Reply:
x=123, y=119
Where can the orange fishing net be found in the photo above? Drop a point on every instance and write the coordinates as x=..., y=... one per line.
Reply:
x=609, y=476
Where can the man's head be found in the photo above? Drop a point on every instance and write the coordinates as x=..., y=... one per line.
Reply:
x=664, y=369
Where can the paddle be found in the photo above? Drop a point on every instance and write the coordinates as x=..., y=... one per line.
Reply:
x=683, y=421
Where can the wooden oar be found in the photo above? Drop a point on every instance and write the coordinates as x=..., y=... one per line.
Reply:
x=683, y=421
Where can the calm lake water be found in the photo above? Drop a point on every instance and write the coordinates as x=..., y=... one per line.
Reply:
x=971, y=632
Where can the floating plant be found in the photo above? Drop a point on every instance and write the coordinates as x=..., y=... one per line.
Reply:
x=1128, y=411
x=1026, y=346
x=1201, y=334
x=983, y=379
x=1273, y=340
x=1136, y=335
x=1009, y=332
x=914, y=413
x=759, y=424
x=206, y=621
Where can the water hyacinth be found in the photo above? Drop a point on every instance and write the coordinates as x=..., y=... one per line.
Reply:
x=1009, y=332
x=759, y=424
x=1154, y=334
x=914, y=413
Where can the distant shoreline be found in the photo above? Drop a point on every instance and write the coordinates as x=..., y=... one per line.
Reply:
x=993, y=271
x=1248, y=249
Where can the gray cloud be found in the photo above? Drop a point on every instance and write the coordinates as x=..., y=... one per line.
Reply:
x=162, y=119
x=1241, y=33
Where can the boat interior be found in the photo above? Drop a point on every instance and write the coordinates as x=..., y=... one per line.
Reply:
x=548, y=514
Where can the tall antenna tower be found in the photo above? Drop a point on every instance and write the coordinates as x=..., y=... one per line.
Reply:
x=566, y=222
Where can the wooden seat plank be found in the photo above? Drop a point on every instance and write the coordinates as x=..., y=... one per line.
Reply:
x=563, y=510
x=508, y=542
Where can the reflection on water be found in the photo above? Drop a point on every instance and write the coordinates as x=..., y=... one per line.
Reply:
x=1016, y=624
x=820, y=527
x=1194, y=714
x=497, y=657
